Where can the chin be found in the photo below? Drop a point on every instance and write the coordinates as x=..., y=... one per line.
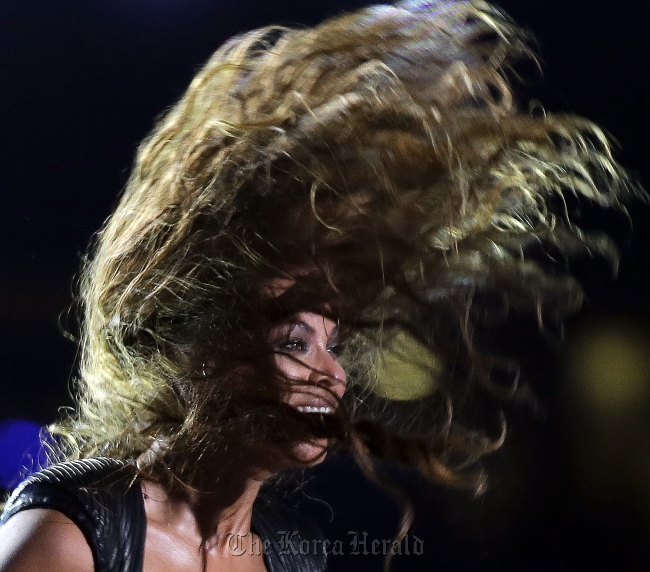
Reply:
x=311, y=453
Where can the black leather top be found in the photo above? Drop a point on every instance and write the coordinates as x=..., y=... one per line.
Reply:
x=102, y=497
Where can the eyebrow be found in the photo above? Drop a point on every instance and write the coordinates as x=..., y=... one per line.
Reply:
x=305, y=326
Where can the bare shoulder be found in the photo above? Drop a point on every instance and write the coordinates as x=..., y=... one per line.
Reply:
x=41, y=539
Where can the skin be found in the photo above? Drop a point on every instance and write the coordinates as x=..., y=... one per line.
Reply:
x=306, y=354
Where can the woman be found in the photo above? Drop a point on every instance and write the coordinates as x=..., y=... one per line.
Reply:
x=369, y=183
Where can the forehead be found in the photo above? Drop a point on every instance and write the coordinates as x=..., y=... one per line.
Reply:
x=291, y=300
x=275, y=287
x=314, y=323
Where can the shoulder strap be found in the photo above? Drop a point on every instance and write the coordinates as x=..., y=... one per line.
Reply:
x=102, y=498
x=290, y=543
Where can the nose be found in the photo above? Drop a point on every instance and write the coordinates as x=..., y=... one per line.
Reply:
x=329, y=373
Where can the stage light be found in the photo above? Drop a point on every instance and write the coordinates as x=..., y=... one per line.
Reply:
x=20, y=450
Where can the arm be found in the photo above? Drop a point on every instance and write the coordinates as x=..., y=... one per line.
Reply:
x=38, y=540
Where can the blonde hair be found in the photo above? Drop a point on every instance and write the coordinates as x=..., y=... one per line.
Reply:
x=380, y=162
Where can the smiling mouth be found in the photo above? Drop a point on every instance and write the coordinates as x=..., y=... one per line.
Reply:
x=312, y=409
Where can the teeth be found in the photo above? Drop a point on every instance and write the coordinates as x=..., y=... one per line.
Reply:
x=310, y=409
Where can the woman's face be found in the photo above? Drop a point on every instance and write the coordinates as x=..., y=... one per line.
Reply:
x=306, y=354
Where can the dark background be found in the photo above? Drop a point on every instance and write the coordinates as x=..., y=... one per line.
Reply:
x=81, y=83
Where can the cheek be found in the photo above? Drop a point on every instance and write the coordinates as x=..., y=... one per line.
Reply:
x=290, y=369
x=295, y=379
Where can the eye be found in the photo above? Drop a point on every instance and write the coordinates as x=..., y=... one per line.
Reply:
x=336, y=350
x=293, y=345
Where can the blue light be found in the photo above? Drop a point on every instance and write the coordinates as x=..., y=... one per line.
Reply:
x=20, y=450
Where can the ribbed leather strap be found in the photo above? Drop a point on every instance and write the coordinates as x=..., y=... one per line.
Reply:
x=293, y=544
x=101, y=498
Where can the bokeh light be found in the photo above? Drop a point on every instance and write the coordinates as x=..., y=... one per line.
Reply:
x=608, y=366
x=608, y=380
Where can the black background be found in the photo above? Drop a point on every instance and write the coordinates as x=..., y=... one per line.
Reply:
x=81, y=82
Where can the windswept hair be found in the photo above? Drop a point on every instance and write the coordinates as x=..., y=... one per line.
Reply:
x=380, y=164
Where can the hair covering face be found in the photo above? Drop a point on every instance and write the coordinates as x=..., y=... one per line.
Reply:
x=380, y=164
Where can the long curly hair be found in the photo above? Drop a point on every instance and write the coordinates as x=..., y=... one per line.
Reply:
x=381, y=165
